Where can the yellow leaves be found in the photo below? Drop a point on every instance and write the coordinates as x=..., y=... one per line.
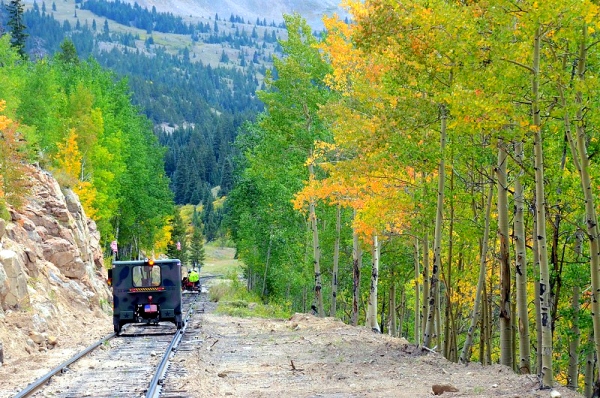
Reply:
x=87, y=195
x=591, y=14
x=4, y=121
x=357, y=8
x=69, y=157
x=163, y=237
x=70, y=172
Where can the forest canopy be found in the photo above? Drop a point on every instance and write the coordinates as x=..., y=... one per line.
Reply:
x=76, y=119
x=447, y=151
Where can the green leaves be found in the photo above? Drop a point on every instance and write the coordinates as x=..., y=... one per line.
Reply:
x=119, y=166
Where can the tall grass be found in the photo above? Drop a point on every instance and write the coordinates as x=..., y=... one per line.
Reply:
x=234, y=299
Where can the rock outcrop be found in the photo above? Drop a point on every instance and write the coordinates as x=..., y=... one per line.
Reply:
x=51, y=266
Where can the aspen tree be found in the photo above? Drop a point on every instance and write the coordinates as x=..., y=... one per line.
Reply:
x=437, y=239
x=449, y=349
x=356, y=265
x=393, y=320
x=465, y=355
x=506, y=351
x=590, y=365
x=521, y=267
x=371, y=321
x=336, y=260
x=316, y=248
x=425, y=299
x=573, y=370
x=546, y=371
x=581, y=160
x=417, y=309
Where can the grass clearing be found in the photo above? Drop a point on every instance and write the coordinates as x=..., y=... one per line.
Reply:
x=220, y=261
x=228, y=289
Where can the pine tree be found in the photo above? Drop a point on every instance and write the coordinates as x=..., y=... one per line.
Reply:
x=197, y=254
x=17, y=27
x=106, y=29
x=178, y=244
x=67, y=53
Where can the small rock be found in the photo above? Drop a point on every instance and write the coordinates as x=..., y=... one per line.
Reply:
x=37, y=338
x=555, y=394
x=52, y=340
x=153, y=354
x=439, y=389
x=222, y=374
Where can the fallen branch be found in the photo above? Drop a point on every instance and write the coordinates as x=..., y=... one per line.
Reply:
x=294, y=369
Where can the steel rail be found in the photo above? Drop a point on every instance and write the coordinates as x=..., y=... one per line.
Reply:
x=154, y=388
x=38, y=383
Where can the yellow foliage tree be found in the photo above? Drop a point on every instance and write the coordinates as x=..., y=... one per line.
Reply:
x=69, y=172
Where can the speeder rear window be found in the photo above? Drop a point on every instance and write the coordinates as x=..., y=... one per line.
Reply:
x=146, y=276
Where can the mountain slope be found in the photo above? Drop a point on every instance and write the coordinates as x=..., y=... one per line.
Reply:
x=250, y=10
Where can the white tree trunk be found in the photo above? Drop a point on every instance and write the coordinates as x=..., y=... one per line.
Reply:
x=506, y=346
x=437, y=240
x=465, y=355
x=418, y=319
x=336, y=260
x=316, y=251
x=372, y=305
x=547, y=374
x=521, y=268
x=356, y=263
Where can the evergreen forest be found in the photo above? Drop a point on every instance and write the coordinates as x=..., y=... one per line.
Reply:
x=195, y=101
x=426, y=168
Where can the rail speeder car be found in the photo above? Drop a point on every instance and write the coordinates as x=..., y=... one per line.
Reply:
x=146, y=291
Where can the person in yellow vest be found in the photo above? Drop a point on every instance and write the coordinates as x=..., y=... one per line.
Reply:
x=194, y=277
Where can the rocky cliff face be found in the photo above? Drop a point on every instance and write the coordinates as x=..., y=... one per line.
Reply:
x=51, y=270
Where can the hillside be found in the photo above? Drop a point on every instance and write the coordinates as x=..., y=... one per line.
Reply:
x=250, y=10
x=195, y=82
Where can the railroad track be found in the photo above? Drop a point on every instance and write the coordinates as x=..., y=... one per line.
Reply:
x=134, y=364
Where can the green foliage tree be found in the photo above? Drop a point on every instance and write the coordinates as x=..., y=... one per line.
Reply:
x=13, y=173
x=120, y=168
x=67, y=53
x=177, y=247
x=274, y=241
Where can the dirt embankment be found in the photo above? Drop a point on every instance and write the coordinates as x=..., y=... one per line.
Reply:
x=307, y=356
